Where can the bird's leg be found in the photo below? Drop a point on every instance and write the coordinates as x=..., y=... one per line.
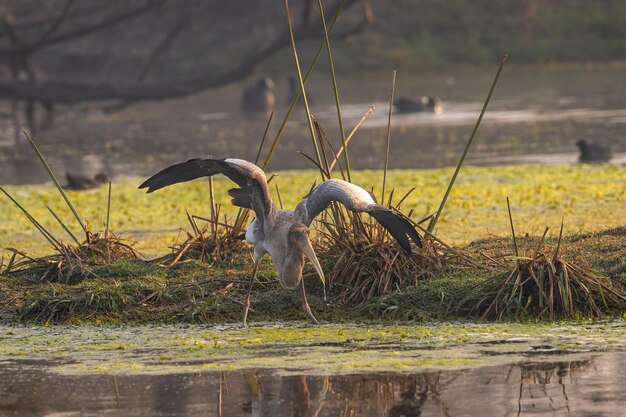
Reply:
x=305, y=303
x=246, y=303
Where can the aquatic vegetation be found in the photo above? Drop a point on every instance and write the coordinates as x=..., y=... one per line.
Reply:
x=329, y=349
x=590, y=197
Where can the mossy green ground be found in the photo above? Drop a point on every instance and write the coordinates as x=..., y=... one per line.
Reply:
x=136, y=291
x=328, y=349
x=591, y=197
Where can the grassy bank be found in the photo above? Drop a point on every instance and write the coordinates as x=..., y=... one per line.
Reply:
x=138, y=290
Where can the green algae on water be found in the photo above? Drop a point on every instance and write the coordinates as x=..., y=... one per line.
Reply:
x=328, y=349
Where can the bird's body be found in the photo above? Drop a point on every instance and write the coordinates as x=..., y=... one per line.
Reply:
x=591, y=152
x=426, y=104
x=283, y=234
x=260, y=96
x=83, y=182
x=277, y=246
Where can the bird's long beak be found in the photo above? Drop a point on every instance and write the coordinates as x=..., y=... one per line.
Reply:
x=305, y=244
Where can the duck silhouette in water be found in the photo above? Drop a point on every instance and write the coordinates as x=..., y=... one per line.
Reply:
x=83, y=182
x=591, y=152
x=260, y=96
x=426, y=104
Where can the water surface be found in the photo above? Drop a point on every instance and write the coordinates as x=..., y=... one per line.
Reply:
x=450, y=369
x=536, y=116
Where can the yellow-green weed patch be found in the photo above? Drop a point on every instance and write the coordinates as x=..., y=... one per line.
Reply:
x=591, y=197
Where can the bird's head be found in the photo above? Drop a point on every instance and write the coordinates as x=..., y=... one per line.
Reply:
x=582, y=144
x=299, y=236
x=266, y=83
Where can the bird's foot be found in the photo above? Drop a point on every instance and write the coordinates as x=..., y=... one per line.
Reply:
x=309, y=313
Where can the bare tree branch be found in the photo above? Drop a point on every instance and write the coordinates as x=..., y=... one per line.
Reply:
x=56, y=91
x=55, y=24
x=76, y=33
x=162, y=47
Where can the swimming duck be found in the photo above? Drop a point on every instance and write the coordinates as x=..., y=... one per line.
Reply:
x=259, y=97
x=428, y=104
x=83, y=182
x=591, y=152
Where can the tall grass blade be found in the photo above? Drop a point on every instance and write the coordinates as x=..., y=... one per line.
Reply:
x=433, y=223
x=300, y=79
x=317, y=165
x=558, y=244
x=214, y=219
x=356, y=127
x=56, y=182
x=280, y=200
x=292, y=105
x=393, y=91
x=508, y=206
x=106, y=228
x=543, y=238
x=335, y=90
x=267, y=128
x=67, y=230
x=321, y=138
x=54, y=242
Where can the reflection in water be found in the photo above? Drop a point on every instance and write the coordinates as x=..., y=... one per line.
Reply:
x=592, y=386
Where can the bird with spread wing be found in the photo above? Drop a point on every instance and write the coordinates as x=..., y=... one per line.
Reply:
x=284, y=234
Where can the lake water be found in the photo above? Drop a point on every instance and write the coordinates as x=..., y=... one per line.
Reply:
x=443, y=369
x=587, y=385
x=536, y=116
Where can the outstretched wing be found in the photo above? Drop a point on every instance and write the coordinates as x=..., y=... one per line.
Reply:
x=252, y=194
x=357, y=199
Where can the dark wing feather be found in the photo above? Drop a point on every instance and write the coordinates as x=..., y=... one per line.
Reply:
x=253, y=192
x=357, y=199
x=399, y=227
x=242, y=197
x=182, y=172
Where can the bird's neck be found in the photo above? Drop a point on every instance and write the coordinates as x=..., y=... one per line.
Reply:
x=291, y=272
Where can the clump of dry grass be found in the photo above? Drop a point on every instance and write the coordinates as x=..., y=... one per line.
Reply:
x=364, y=261
x=218, y=243
x=71, y=263
x=544, y=286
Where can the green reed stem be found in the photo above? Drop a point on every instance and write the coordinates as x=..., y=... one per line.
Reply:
x=433, y=222
x=292, y=105
x=356, y=127
x=55, y=181
x=393, y=91
x=300, y=79
x=558, y=244
x=67, y=230
x=54, y=242
x=106, y=228
x=267, y=128
x=508, y=206
x=335, y=90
